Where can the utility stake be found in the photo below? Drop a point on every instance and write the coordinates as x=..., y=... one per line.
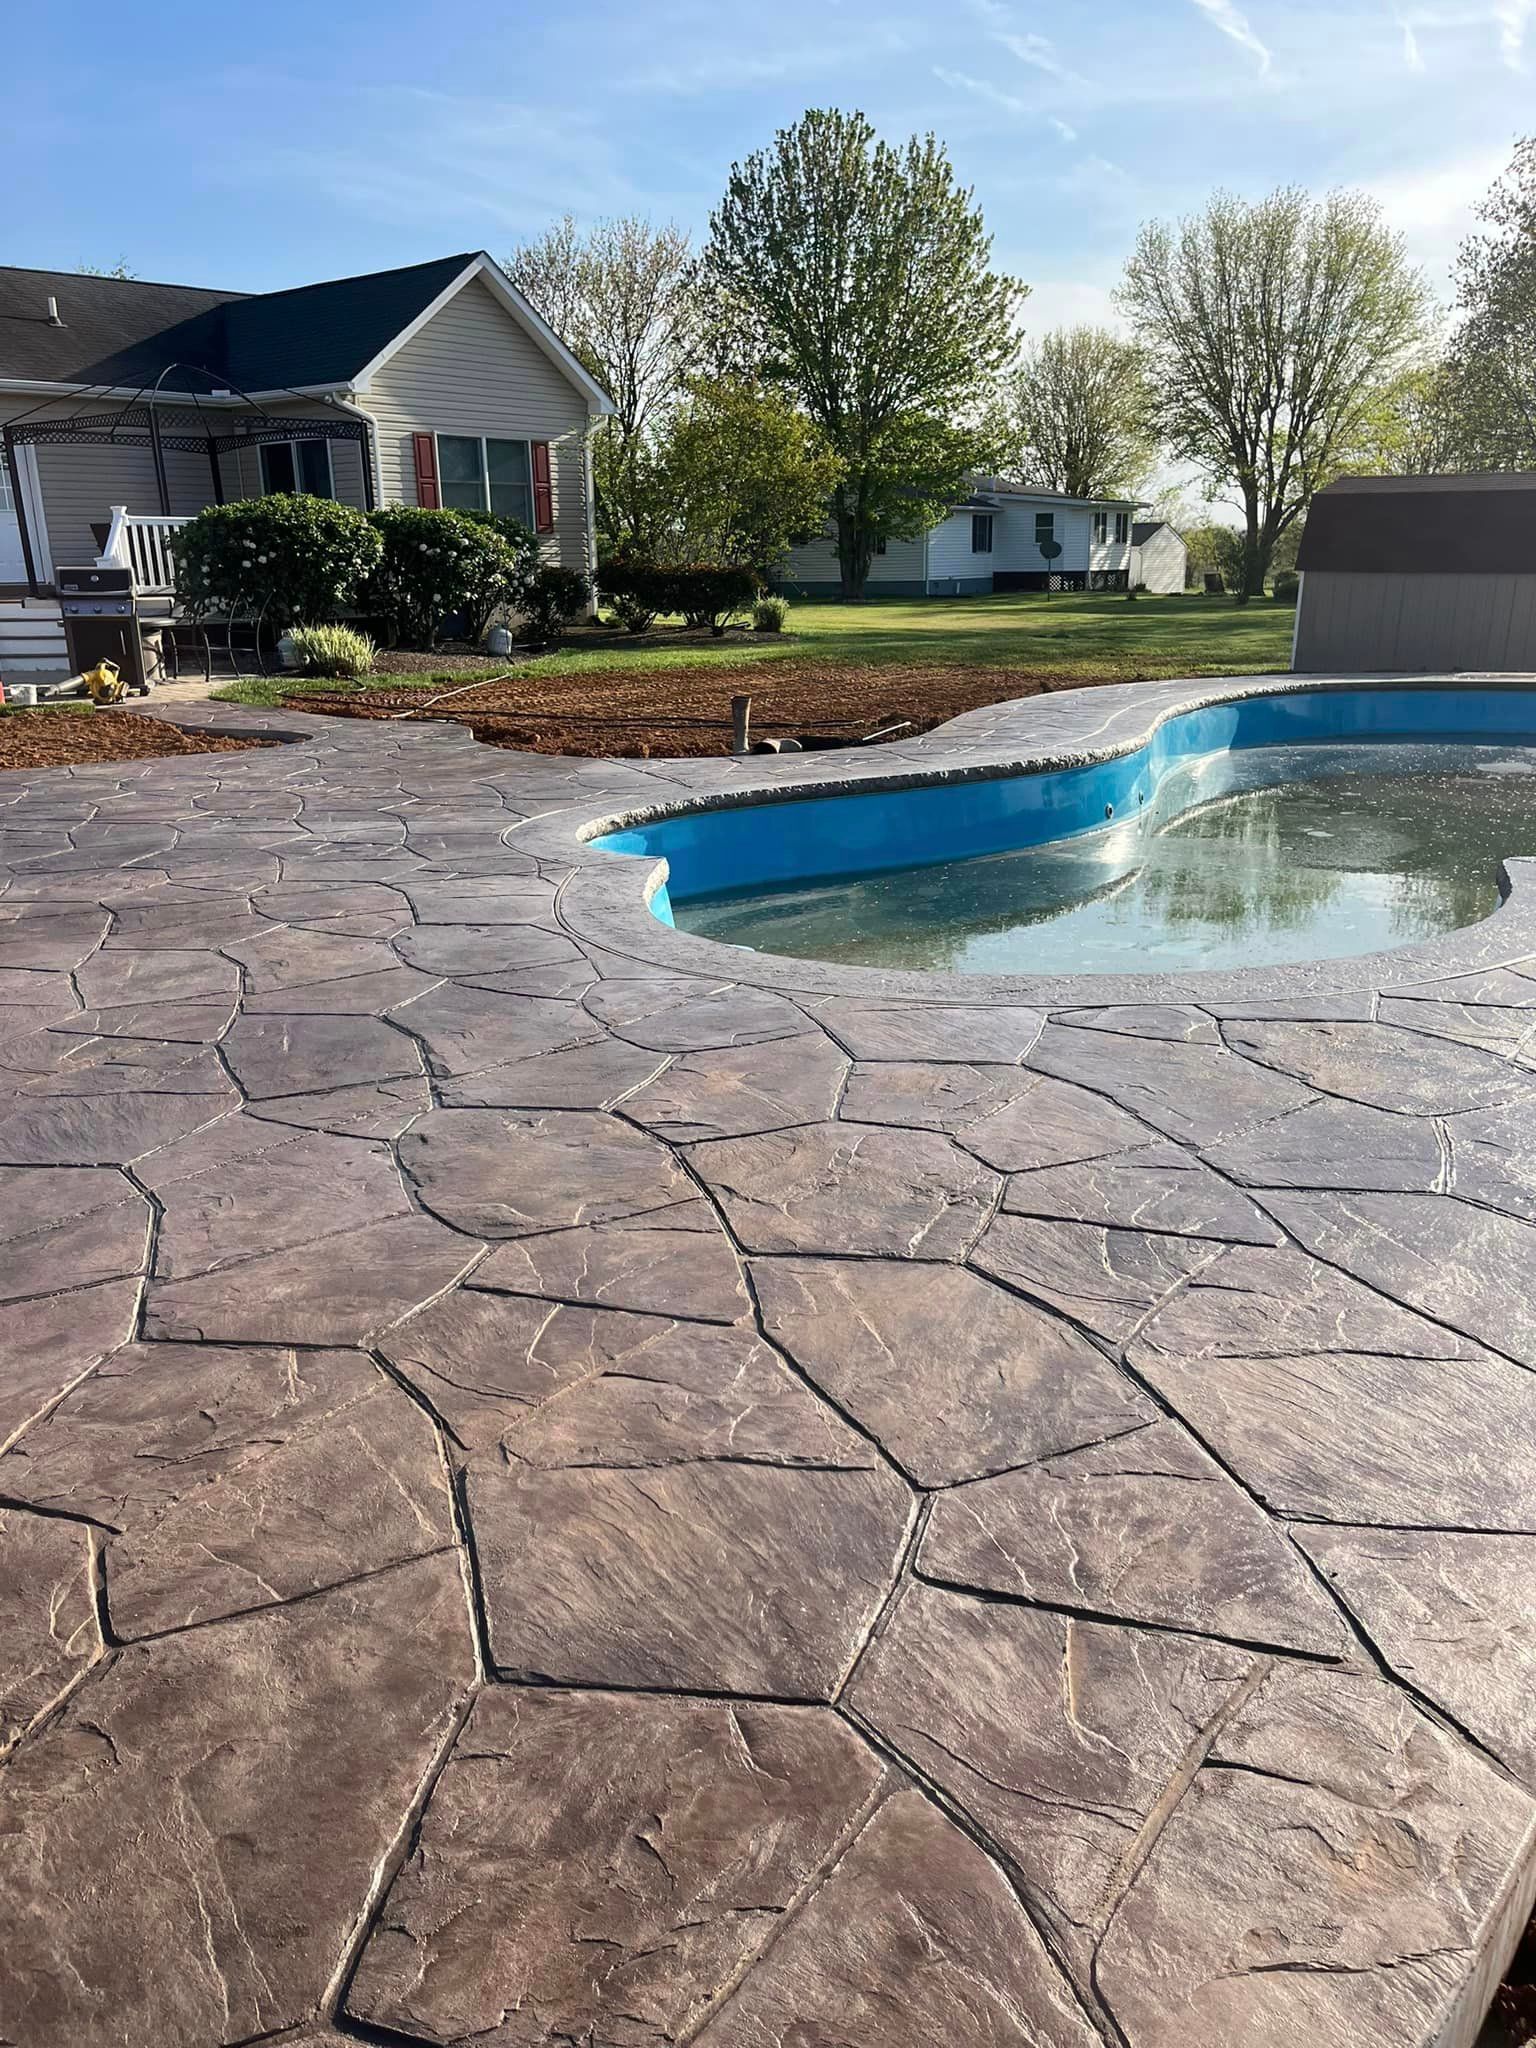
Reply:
x=741, y=725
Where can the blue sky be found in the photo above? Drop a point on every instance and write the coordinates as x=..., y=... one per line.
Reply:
x=249, y=149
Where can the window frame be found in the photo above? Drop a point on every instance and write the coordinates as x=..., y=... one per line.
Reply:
x=981, y=522
x=296, y=441
x=1122, y=529
x=1045, y=527
x=1101, y=528
x=523, y=441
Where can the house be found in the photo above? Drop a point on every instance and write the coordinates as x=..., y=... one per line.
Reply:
x=125, y=407
x=990, y=542
x=1159, y=558
x=1419, y=573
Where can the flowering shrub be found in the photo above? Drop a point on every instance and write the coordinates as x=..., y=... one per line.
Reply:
x=284, y=558
x=433, y=564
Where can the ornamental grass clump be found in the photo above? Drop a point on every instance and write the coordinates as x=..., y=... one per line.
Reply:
x=332, y=650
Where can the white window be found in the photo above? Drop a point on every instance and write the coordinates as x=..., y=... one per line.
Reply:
x=480, y=474
x=1100, y=528
x=1122, y=528
x=981, y=533
x=302, y=466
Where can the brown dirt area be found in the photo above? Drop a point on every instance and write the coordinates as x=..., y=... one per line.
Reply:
x=70, y=739
x=673, y=711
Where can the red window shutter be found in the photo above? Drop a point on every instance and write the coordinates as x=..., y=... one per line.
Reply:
x=543, y=491
x=425, y=450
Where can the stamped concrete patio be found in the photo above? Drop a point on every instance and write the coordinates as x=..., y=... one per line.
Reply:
x=567, y=1484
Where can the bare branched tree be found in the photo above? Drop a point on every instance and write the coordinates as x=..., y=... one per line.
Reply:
x=622, y=297
x=1074, y=415
x=1273, y=330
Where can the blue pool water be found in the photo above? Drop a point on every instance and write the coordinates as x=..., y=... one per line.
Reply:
x=1295, y=827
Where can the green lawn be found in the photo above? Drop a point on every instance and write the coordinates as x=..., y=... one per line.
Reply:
x=1089, y=639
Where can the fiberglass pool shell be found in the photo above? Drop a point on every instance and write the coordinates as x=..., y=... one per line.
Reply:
x=1031, y=773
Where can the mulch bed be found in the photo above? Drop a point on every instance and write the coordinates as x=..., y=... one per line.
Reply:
x=688, y=710
x=68, y=739
x=456, y=657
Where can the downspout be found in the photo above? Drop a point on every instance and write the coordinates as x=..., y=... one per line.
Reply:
x=373, y=475
x=586, y=458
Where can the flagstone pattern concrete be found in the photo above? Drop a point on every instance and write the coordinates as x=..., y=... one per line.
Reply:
x=560, y=1483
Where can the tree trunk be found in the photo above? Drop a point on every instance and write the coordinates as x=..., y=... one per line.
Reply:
x=1255, y=557
x=854, y=548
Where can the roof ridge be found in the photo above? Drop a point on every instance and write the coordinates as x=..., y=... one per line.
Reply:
x=155, y=284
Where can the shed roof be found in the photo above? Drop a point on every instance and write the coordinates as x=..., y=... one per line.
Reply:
x=1142, y=530
x=1481, y=523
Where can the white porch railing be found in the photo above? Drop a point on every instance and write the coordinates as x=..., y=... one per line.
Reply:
x=140, y=541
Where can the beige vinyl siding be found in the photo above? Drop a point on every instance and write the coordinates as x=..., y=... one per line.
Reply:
x=1354, y=622
x=240, y=468
x=473, y=370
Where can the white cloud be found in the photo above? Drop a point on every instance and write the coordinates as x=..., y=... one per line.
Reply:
x=1222, y=14
x=1069, y=302
x=1433, y=207
x=1063, y=128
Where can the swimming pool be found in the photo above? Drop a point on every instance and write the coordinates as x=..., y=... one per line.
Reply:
x=1303, y=825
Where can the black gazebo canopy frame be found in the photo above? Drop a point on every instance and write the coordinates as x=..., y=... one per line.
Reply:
x=138, y=424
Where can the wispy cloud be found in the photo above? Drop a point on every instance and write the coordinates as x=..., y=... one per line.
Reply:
x=979, y=88
x=1008, y=102
x=1514, y=18
x=1413, y=56
x=1039, y=51
x=1222, y=14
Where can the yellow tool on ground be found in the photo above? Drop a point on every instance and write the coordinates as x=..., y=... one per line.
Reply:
x=103, y=683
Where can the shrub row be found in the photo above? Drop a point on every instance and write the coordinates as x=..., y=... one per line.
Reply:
x=705, y=593
x=297, y=559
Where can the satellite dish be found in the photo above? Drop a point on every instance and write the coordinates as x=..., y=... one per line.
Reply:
x=1050, y=549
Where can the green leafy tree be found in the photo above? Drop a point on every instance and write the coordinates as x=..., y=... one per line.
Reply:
x=746, y=474
x=1273, y=329
x=118, y=269
x=1073, y=415
x=622, y=297
x=859, y=275
x=1493, y=353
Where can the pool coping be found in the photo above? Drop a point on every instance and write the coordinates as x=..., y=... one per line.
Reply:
x=607, y=898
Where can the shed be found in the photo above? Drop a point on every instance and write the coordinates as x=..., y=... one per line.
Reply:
x=1159, y=558
x=1404, y=573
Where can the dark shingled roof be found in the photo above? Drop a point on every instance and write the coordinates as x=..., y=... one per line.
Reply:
x=1480, y=524
x=119, y=331
x=1142, y=530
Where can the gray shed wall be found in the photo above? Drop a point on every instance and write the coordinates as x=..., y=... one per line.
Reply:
x=1360, y=621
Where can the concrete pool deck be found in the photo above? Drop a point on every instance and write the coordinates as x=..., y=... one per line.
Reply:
x=563, y=1483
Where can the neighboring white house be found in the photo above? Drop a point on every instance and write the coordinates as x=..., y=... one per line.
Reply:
x=991, y=542
x=1159, y=558
x=127, y=406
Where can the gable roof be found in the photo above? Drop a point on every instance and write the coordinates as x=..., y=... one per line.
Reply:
x=122, y=333
x=1142, y=530
x=1482, y=523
